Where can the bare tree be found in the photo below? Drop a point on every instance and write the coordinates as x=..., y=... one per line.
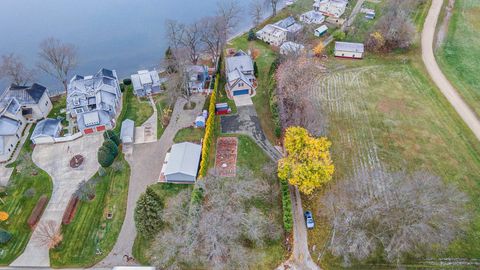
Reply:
x=48, y=234
x=191, y=41
x=404, y=215
x=229, y=12
x=13, y=68
x=256, y=11
x=273, y=4
x=213, y=36
x=57, y=59
x=174, y=33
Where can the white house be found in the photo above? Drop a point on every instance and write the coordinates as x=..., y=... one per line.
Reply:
x=181, y=164
x=34, y=100
x=290, y=47
x=331, y=8
x=312, y=17
x=46, y=131
x=276, y=34
x=320, y=31
x=94, y=101
x=349, y=50
x=146, y=83
x=12, y=125
x=240, y=75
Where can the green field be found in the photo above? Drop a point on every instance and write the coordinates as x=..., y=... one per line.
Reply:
x=459, y=57
x=91, y=235
x=26, y=185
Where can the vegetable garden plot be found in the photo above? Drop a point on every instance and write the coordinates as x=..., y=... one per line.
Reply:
x=226, y=157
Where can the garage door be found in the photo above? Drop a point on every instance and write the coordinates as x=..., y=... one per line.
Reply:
x=88, y=131
x=100, y=128
x=240, y=92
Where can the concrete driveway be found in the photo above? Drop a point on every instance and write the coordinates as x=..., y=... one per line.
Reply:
x=55, y=160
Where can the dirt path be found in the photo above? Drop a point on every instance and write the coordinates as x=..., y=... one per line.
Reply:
x=436, y=74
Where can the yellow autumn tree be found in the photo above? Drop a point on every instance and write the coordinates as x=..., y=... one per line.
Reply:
x=3, y=216
x=307, y=164
x=376, y=41
x=318, y=49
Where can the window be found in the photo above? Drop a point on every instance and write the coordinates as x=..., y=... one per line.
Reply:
x=79, y=110
x=46, y=103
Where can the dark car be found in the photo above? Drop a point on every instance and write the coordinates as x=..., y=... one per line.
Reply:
x=309, y=220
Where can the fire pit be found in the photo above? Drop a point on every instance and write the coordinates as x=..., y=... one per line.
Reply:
x=76, y=161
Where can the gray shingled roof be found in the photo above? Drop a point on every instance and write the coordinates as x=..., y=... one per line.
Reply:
x=47, y=127
x=184, y=158
x=25, y=94
x=349, y=47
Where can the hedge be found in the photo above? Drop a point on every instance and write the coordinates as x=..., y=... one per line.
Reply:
x=209, y=131
x=69, y=213
x=287, y=207
x=37, y=211
x=4, y=236
x=273, y=102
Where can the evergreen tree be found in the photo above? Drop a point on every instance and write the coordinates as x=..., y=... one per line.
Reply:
x=105, y=157
x=148, y=213
x=255, y=69
x=111, y=135
x=251, y=35
x=112, y=146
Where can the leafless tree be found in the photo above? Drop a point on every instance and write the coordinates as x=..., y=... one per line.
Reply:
x=296, y=78
x=212, y=36
x=273, y=4
x=174, y=31
x=229, y=12
x=13, y=68
x=191, y=41
x=256, y=11
x=49, y=234
x=411, y=215
x=57, y=59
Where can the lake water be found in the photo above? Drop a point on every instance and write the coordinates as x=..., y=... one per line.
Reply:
x=125, y=35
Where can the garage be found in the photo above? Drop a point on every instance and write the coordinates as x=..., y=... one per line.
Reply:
x=88, y=131
x=241, y=92
x=100, y=128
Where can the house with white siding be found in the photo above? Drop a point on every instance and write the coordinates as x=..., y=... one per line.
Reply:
x=312, y=17
x=349, y=50
x=34, y=100
x=240, y=75
x=12, y=125
x=93, y=102
x=331, y=8
x=276, y=34
x=146, y=83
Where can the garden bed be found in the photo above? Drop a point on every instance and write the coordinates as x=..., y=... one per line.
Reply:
x=226, y=156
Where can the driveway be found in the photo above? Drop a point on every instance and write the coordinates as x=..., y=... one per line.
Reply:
x=54, y=159
x=146, y=164
x=437, y=75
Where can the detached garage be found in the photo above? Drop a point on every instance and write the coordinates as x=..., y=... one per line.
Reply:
x=349, y=50
x=181, y=164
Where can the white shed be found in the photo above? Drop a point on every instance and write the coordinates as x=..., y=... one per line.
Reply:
x=320, y=31
x=182, y=164
x=127, y=133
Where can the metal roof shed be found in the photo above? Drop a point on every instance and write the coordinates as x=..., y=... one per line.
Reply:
x=127, y=133
x=183, y=161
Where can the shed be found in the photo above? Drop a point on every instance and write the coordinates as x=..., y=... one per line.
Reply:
x=349, y=50
x=200, y=121
x=320, y=31
x=182, y=164
x=127, y=133
x=46, y=131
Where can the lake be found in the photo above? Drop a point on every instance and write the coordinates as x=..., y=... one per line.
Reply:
x=125, y=35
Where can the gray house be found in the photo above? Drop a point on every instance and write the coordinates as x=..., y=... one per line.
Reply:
x=46, y=131
x=127, y=133
x=94, y=101
x=240, y=75
x=181, y=164
x=34, y=100
x=146, y=83
x=12, y=125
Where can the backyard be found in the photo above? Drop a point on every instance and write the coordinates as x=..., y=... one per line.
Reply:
x=136, y=109
x=459, y=54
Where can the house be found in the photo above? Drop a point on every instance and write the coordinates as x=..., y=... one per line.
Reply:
x=312, y=17
x=12, y=125
x=127, y=132
x=46, y=131
x=240, y=75
x=34, y=100
x=276, y=34
x=290, y=25
x=181, y=164
x=197, y=77
x=146, y=83
x=290, y=47
x=321, y=31
x=330, y=8
x=349, y=50
x=94, y=101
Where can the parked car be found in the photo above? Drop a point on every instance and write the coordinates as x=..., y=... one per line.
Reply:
x=309, y=220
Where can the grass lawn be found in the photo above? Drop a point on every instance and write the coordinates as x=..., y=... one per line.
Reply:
x=138, y=110
x=189, y=134
x=459, y=56
x=59, y=103
x=142, y=245
x=90, y=231
x=383, y=110
x=26, y=185
x=161, y=103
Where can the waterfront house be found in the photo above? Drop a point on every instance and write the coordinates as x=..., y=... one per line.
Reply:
x=240, y=75
x=276, y=34
x=146, y=83
x=34, y=101
x=93, y=102
x=12, y=125
x=330, y=8
x=349, y=50
x=312, y=17
x=197, y=77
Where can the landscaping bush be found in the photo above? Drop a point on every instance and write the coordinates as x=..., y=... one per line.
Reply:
x=287, y=207
x=127, y=81
x=148, y=213
x=112, y=135
x=37, y=211
x=251, y=35
x=105, y=157
x=209, y=132
x=69, y=213
x=339, y=35
x=255, y=69
x=4, y=236
x=273, y=99
x=110, y=144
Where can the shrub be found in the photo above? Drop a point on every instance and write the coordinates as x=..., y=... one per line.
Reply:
x=251, y=35
x=148, y=213
x=69, y=213
x=105, y=157
x=287, y=207
x=111, y=135
x=4, y=236
x=339, y=35
x=37, y=211
x=127, y=81
x=111, y=146
x=255, y=69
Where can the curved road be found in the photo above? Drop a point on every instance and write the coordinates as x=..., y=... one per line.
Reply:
x=437, y=75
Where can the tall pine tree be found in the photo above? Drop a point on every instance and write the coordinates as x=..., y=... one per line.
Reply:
x=148, y=213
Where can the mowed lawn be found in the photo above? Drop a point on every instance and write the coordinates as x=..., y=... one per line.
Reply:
x=459, y=57
x=384, y=111
x=136, y=109
x=91, y=235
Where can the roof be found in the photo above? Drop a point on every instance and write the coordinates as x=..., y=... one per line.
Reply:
x=8, y=126
x=322, y=28
x=285, y=23
x=184, y=158
x=242, y=63
x=312, y=16
x=273, y=30
x=2, y=145
x=144, y=78
x=91, y=118
x=47, y=127
x=128, y=129
x=25, y=94
x=349, y=47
